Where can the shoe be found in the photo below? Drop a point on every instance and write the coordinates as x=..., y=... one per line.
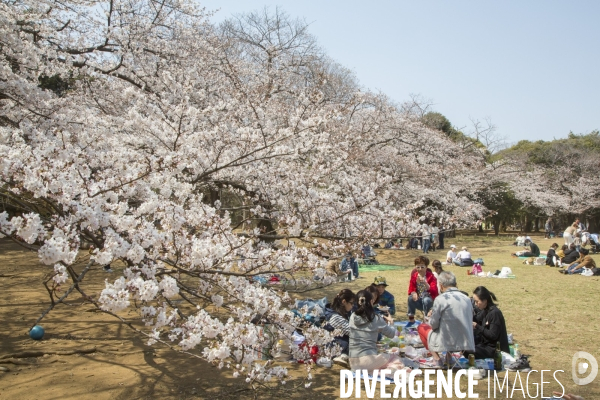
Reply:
x=342, y=361
x=521, y=364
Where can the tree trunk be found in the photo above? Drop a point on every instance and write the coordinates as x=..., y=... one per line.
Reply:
x=496, y=223
x=537, y=224
x=527, y=226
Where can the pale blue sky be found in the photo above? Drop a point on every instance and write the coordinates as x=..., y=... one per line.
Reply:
x=532, y=66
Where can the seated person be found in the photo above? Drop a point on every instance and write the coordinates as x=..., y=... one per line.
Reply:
x=571, y=254
x=489, y=326
x=374, y=294
x=451, y=255
x=449, y=328
x=561, y=253
x=367, y=251
x=350, y=264
x=337, y=316
x=576, y=267
x=365, y=326
x=463, y=258
x=437, y=270
x=552, y=259
x=422, y=289
x=533, y=251
x=386, y=299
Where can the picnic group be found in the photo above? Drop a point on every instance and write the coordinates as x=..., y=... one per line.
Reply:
x=572, y=257
x=459, y=333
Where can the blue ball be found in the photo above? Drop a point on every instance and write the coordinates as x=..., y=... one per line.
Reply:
x=36, y=333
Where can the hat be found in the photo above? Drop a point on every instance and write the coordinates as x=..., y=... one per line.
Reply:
x=348, y=254
x=379, y=280
x=452, y=246
x=464, y=247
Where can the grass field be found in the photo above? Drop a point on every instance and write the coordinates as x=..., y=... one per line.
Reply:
x=550, y=315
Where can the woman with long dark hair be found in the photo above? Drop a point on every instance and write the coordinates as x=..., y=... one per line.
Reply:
x=337, y=315
x=365, y=325
x=489, y=326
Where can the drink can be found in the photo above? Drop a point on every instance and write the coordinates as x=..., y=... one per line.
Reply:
x=489, y=363
x=471, y=360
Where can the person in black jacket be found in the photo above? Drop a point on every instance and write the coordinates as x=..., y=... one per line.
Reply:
x=488, y=325
x=534, y=250
x=552, y=259
x=570, y=255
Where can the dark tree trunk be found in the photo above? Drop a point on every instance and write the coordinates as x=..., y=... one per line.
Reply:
x=527, y=227
x=266, y=228
x=496, y=223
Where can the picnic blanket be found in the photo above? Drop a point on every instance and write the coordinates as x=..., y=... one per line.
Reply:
x=542, y=254
x=380, y=267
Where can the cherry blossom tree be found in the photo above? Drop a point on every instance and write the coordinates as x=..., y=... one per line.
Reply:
x=159, y=112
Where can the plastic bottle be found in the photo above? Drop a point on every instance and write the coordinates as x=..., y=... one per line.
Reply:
x=401, y=343
x=517, y=351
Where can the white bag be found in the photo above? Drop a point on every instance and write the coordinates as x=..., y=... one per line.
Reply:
x=539, y=261
x=587, y=272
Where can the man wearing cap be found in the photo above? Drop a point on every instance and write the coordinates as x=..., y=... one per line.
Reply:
x=350, y=263
x=386, y=299
x=451, y=255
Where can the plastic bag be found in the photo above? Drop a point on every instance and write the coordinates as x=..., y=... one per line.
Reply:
x=587, y=272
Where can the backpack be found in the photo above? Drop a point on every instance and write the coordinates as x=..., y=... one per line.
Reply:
x=596, y=271
x=476, y=269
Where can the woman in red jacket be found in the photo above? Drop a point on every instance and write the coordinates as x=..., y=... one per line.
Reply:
x=422, y=289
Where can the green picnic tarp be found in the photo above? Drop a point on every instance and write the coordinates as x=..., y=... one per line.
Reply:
x=380, y=267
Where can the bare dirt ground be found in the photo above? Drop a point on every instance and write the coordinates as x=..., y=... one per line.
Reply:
x=551, y=316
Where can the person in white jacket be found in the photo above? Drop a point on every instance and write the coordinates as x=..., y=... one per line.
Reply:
x=451, y=255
